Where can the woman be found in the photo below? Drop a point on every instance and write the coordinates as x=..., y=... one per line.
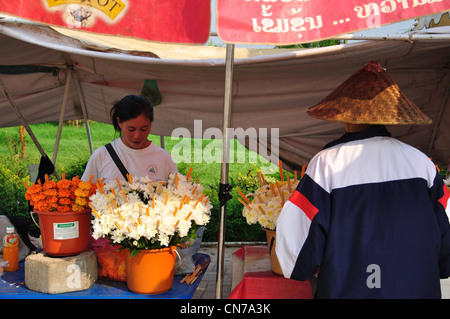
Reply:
x=132, y=117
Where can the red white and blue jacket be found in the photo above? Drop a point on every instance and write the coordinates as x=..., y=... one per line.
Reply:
x=371, y=215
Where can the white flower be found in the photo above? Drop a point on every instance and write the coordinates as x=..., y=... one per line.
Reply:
x=164, y=240
x=447, y=181
x=267, y=203
x=157, y=211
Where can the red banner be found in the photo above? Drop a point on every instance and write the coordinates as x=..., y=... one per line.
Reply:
x=178, y=21
x=300, y=21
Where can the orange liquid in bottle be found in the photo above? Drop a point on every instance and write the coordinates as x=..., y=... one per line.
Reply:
x=11, y=251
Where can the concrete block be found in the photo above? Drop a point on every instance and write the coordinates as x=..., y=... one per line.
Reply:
x=53, y=275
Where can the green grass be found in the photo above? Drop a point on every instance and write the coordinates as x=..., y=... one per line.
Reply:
x=74, y=153
x=73, y=146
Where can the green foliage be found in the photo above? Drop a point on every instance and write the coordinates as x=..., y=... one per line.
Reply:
x=444, y=173
x=75, y=169
x=236, y=227
x=249, y=182
x=12, y=191
x=12, y=194
x=13, y=175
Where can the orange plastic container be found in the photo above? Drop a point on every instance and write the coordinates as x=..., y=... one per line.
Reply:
x=151, y=271
x=64, y=234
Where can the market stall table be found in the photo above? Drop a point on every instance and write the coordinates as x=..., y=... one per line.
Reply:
x=253, y=278
x=12, y=286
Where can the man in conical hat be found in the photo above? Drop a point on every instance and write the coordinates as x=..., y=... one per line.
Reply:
x=369, y=218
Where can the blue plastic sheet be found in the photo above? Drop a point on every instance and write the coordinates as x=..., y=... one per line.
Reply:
x=12, y=286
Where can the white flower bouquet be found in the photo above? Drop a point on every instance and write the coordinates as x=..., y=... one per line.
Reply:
x=139, y=214
x=264, y=205
x=268, y=200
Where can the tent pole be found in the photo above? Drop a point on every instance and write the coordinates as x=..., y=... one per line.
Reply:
x=61, y=116
x=83, y=109
x=402, y=37
x=24, y=122
x=162, y=141
x=224, y=187
x=411, y=36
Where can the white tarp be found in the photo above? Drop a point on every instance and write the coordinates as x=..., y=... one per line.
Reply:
x=269, y=90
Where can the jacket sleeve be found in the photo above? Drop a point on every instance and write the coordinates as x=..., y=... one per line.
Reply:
x=301, y=230
x=440, y=197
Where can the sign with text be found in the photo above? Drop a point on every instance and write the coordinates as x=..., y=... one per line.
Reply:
x=300, y=21
x=176, y=21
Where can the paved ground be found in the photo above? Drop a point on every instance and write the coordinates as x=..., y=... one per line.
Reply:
x=207, y=287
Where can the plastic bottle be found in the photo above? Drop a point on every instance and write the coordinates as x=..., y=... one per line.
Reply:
x=11, y=249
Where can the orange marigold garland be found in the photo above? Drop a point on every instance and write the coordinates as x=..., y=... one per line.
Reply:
x=61, y=196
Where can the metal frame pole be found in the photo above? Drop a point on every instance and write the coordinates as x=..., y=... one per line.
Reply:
x=224, y=167
x=61, y=116
x=83, y=109
x=80, y=95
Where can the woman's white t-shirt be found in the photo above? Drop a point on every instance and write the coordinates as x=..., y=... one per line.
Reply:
x=152, y=161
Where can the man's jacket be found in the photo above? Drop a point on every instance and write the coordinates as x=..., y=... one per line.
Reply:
x=370, y=217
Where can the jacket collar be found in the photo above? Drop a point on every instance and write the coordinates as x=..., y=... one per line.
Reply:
x=373, y=131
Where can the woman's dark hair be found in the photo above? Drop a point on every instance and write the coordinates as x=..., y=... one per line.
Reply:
x=130, y=107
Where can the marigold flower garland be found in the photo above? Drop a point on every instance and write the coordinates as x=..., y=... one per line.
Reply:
x=139, y=214
x=60, y=196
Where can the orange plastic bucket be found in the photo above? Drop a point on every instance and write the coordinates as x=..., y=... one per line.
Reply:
x=151, y=271
x=65, y=234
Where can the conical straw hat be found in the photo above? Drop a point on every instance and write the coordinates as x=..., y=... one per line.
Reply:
x=369, y=97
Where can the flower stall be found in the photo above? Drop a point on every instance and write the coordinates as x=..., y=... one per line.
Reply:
x=147, y=223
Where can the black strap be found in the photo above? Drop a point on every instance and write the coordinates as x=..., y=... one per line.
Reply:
x=224, y=193
x=45, y=167
x=117, y=160
x=271, y=244
x=21, y=226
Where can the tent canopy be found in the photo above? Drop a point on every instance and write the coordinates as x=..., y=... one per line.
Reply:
x=271, y=88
